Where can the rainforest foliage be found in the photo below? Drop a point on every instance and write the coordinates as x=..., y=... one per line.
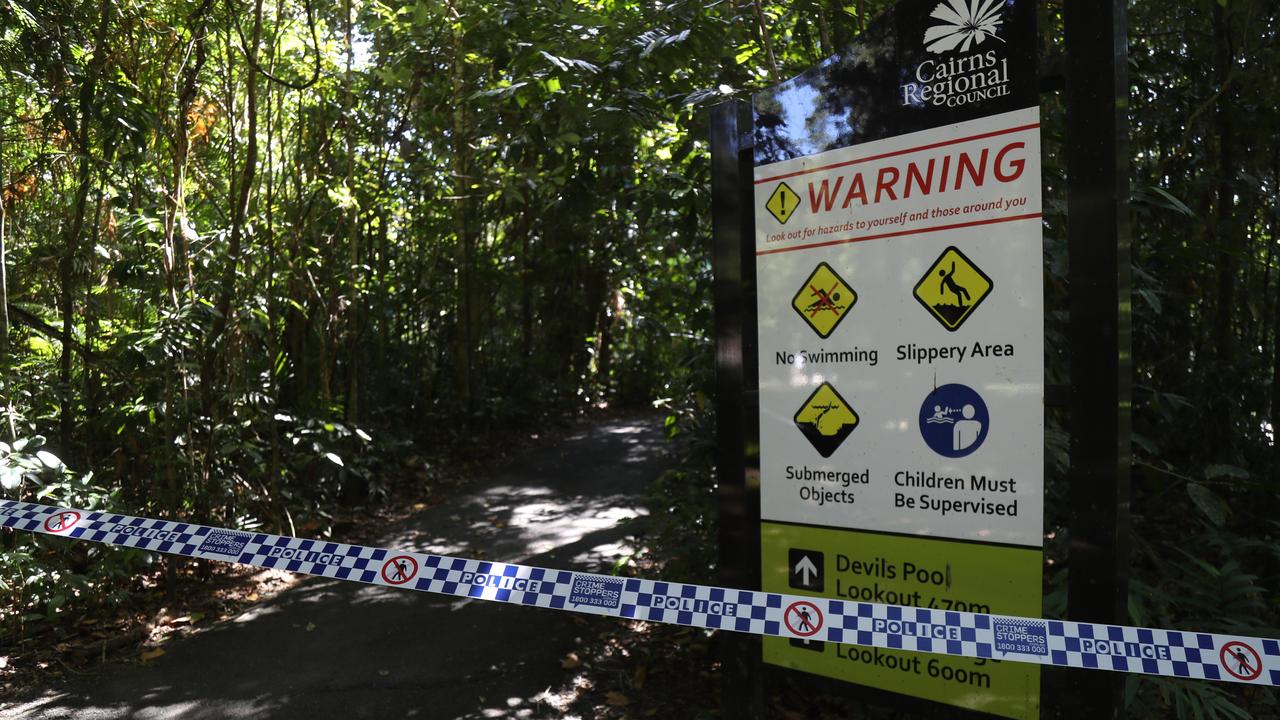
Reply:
x=265, y=259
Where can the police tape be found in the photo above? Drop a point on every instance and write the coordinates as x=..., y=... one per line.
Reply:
x=1172, y=653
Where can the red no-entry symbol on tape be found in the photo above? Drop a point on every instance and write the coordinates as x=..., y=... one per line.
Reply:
x=1240, y=660
x=61, y=522
x=803, y=618
x=399, y=569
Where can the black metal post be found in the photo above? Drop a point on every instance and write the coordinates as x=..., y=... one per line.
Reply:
x=737, y=421
x=1097, y=91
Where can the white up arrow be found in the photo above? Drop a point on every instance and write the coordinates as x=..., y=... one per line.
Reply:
x=805, y=569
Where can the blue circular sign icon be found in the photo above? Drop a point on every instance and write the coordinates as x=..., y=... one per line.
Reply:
x=954, y=420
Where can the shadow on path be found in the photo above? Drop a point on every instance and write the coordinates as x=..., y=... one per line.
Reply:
x=332, y=649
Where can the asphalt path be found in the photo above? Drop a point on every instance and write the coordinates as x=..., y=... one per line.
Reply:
x=334, y=649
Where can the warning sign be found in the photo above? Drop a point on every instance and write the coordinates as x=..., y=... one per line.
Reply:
x=62, y=521
x=1240, y=660
x=953, y=288
x=782, y=203
x=927, y=484
x=803, y=618
x=826, y=419
x=824, y=300
x=399, y=569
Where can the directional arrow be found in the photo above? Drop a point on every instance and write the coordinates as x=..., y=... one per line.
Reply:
x=806, y=570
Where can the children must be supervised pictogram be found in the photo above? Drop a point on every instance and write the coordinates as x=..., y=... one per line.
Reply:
x=782, y=203
x=62, y=522
x=952, y=288
x=1240, y=660
x=803, y=618
x=399, y=569
x=826, y=419
x=824, y=300
x=954, y=420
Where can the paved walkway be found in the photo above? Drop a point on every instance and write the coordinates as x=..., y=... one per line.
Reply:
x=332, y=649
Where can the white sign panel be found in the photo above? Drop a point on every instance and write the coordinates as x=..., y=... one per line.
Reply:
x=901, y=334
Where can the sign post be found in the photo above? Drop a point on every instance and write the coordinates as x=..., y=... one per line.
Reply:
x=1097, y=90
x=898, y=274
x=737, y=432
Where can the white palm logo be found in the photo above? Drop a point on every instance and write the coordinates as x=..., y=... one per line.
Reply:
x=965, y=23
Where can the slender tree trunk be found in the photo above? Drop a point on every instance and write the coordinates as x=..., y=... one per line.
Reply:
x=1274, y=234
x=4, y=269
x=1225, y=231
x=214, y=342
x=842, y=30
x=4, y=255
x=175, y=234
x=765, y=41
x=239, y=210
x=352, y=405
x=526, y=296
x=275, y=346
x=71, y=237
x=176, y=463
x=463, y=310
x=89, y=377
x=4, y=309
x=11, y=542
x=824, y=32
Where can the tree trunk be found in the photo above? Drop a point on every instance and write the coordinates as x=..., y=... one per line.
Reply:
x=1225, y=232
x=463, y=310
x=1275, y=351
x=71, y=237
x=239, y=210
x=352, y=406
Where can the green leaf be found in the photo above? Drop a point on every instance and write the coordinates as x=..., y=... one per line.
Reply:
x=342, y=197
x=49, y=460
x=1161, y=198
x=1217, y=471
x=1214, y=507
x=28, y=444
x=333, y=458
x=24, y=17
x=1153, y=300
x=1145, y=443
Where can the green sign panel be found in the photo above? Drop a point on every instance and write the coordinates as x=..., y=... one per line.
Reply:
x=920, y=572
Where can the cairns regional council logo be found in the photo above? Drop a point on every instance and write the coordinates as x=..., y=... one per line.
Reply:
x=965, y=73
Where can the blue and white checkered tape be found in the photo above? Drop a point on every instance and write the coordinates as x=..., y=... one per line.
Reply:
x=1173, y=653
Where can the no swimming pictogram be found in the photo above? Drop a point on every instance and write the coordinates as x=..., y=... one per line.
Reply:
x=399, y=569
x=62, y=521
x=824, y=300
x=803, y=618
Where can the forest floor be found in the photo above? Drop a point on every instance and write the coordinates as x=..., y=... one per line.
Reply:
x=266, y=643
